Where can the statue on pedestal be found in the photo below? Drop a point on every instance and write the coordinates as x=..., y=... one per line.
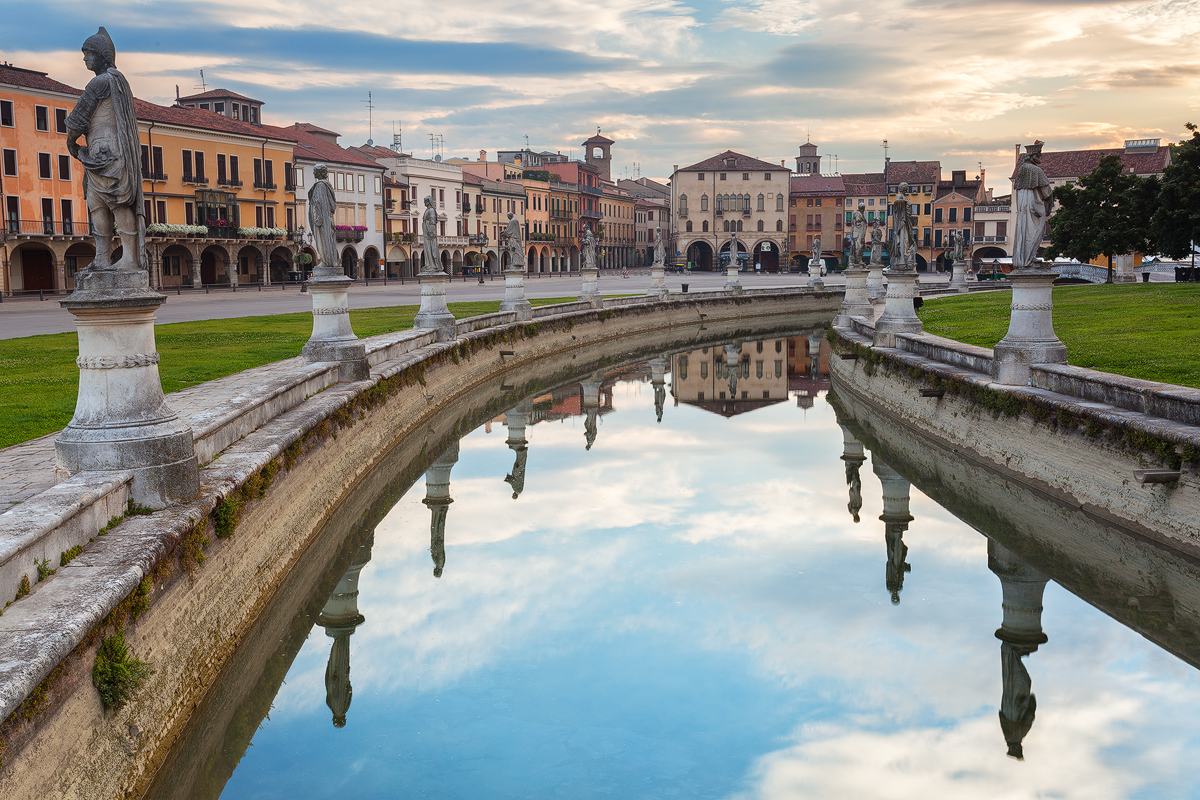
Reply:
x=876, y=245
x=322, y=211
x=960, y=245
x=904, y=237
x=816, y=255
x=429, y=233
x=589, y=248
x=1032, y=201
x=112, y=179
x=858, y=234
x=512, y=240
x=660, y=249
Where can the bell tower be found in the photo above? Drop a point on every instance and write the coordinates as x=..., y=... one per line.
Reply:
x=597, y=152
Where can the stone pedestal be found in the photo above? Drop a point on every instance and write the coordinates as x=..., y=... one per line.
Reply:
x=591, y=287
x=875, y=287
x=814, y=275
x=958, y=277
x=340, y=618
x=122, y=421
x=332, y=337
x=658, y=281
x=1030, y=338
x=1124, y=270
x=898, y=315
x=895, y=519
x=1020, y=634
x=514, y=294
x=438, y=499
x=434, y=314
x=855, y=303
x=733, y=282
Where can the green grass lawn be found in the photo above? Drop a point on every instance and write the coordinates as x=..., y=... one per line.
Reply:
x=39, y=379
x=1149, y=331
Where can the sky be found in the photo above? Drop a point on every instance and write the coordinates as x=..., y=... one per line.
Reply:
x=671, y=82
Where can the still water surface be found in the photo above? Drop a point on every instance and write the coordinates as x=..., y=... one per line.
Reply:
x=695, y=607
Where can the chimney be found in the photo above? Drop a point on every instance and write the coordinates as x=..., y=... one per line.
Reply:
x=1018, y=148
x=674, y=168
x=483, y=155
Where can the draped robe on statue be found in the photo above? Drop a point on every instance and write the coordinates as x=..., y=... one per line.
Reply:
x=1032, y=195
x=322, y=206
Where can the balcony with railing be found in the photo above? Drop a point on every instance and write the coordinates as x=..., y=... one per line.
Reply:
x=562, y=214
x=154, y=177
x=479, y=209
x=196, y=180
x=583, y=187
x=232, y=183
x=348, y=234
x=47, y=227
x=289, y=186
x=997, y=239
x=585, y=213
x=477, y=240
x=466, y=208
x=264, y=185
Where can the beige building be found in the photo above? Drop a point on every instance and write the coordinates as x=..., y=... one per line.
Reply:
x=729, y=192
x=702, y=377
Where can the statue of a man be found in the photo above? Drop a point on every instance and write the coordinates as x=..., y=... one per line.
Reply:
x=513, y=240
x=322, y=211
x=960, y=245
x=1031, y=195
x=817, y=263
x=733, y=250
x=904, y=239
x=589, y=248
x=858, y=233
x=876, y=244
x=112, y=159
x=429, y=232
x=660, y=249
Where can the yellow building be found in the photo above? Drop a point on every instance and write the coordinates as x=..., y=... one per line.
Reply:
x=922, y=178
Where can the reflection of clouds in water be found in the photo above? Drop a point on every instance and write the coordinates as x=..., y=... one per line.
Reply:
x=962, y=760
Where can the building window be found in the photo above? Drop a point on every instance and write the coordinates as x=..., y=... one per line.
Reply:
x=762, y=200
x=779, y=225
x=187, y=166
x=6, y=114
x=189, y=214
x=362, y=183
x=13, y=211
x=160, y=208
x=937, y=237
x=703, y=202
x=47, y=215
x=341, y=181
x=378, y=185
x=937, y=215
x=41, y=116
x=966, y=215
x=44, y=166
x=270, y=216
x=704, y=226
x=64, y=168
x=234, y=175
x=68, y=216
x=689, y=226
x=953, y=215
x=760, y=224
x=779, y=202
x=927, y=206
x=199, y=165
x=722, y=176
x=700, y=175
x=810, y=202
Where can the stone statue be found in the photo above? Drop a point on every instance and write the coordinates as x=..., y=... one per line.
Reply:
x=858, y=233
x=904, y=238
x=660, y=249
x=322, y=210
x=876, y=245
x=897, y=564
x=854, y=481
x=1031, y=195
x=733, y=250
x=1018, y=705
x=429, y=231
x=513, y=240
x=589, y=248
x=816, y=255
x=960, y=245
x=112, y=182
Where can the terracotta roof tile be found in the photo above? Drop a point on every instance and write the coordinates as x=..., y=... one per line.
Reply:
x=597, y=139
x=742, y=162
x=206, y=120
x=866, y=189
x=945, y=188
x=31, y=79
x=374, y=151
x=913, y=172
x=1076, y=163
x=308, y=127
x=311, y=147
x=818, y=184
x=219, y=94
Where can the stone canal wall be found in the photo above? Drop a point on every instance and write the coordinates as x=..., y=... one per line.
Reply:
x=1086, y=437
x=281, y=445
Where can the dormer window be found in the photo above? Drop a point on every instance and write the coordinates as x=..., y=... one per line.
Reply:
x=204, y=106
x=219, y=108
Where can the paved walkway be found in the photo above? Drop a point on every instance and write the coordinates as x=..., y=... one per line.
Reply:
x=29, y=316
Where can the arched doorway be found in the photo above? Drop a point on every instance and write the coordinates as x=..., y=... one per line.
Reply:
x=766, y=255
x=489, y=262
x=350, y=263
x=545, y=260
x=922, y=264
x=397, y=262
x=214, y=265
x=700, y=256
x=986, y=254
x=281, y=264
x=249, y=268
x=504, y=260
x=457, y=262
x=371, y=263
x=176, y=265
x=531, y=262
x=741, y=249
x=445, y=260
x=574, y=261
x=80, y=255
x=33, y=268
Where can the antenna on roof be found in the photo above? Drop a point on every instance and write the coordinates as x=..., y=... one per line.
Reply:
x=526, y=141
x=203, y=86
x=370, y=120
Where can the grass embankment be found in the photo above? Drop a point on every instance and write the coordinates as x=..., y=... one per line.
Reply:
x=1149, y=331
x=39, y=379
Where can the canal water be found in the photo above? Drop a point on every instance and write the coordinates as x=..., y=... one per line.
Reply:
x=652, y=583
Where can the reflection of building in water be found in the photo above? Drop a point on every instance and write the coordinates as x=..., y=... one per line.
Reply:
x=589, y=393
x=658, y=379
x=437, y=497
x=340, y=618
x=895, y=518
x=516, y=419
x=852, y=454
x=808, y=366
x=1019, y=634
x=756, y=371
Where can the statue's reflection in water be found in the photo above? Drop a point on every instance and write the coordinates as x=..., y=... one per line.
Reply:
x=437, y=497
x=340, y=618
x=658, y=379
x=852, y=454
x=517, y=420
x=895, y=518
x=590, y=401
x=1020, y=634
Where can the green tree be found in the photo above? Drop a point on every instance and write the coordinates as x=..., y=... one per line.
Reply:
x=1105, y=215
x=1175, y=224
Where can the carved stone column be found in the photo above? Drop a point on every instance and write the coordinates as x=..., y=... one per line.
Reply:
x=437, y=498
x=590, y=291
x=856, y=302
x=899, y=315
x=1030, y=338
x=875, y=287
x=122, y=420
x=340, y=618
x=733, y=282
x=1020, y=634
x=514, y=292
x=433, y=313
x=895, y=518
x=815, y=281
x=518, y=419
x=958, y=277
x=332, y=337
